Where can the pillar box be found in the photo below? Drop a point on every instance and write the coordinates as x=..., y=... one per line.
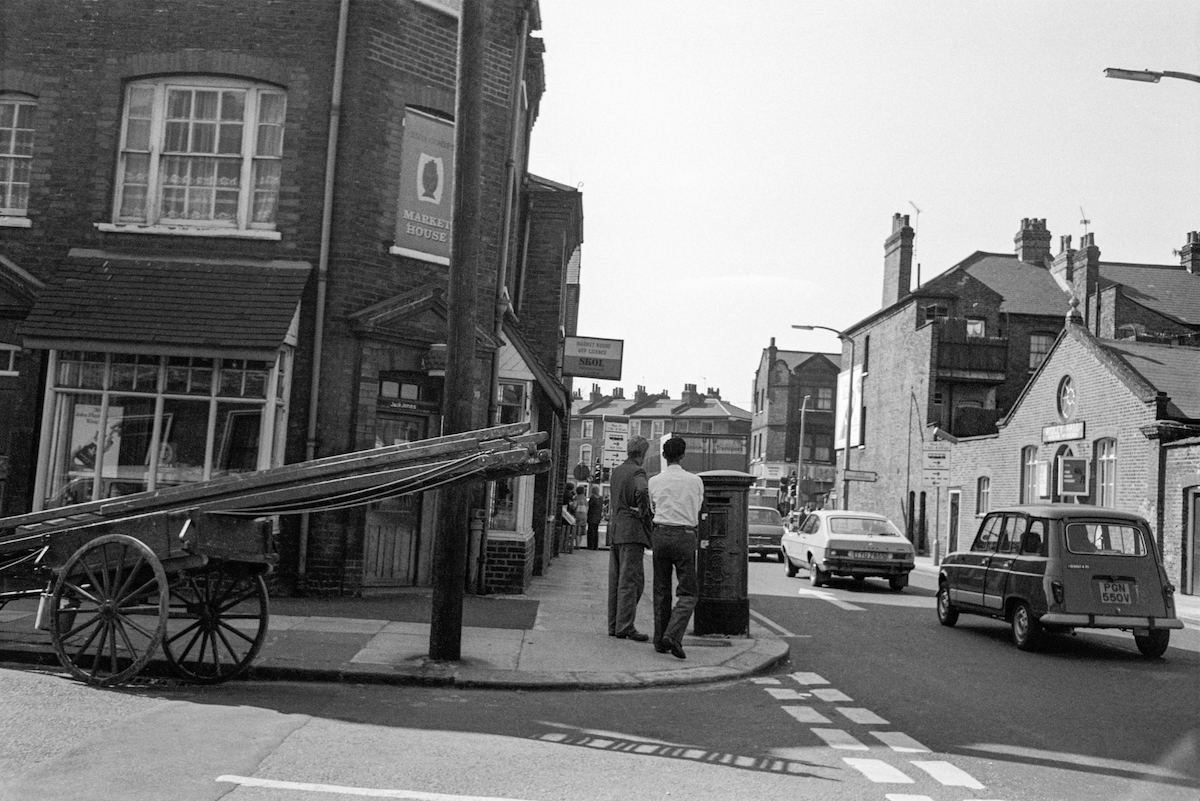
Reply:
x=723, y=600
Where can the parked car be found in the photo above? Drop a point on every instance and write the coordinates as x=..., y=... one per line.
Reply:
x=765, y=530
x=1058, y=567
x=836, y=542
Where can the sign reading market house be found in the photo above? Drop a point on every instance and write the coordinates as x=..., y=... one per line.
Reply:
x=587, y=357
x=426, y=211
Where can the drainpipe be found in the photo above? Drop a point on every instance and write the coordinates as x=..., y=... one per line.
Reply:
x=502, y=299
x=335, y=113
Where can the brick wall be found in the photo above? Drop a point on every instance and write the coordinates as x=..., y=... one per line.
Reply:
x=510, y=559
x=1180, y=486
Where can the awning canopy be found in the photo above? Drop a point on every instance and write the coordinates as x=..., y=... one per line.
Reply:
x=138, y=304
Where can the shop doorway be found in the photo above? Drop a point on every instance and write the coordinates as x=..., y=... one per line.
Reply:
x=952, y=522
x=392, y=539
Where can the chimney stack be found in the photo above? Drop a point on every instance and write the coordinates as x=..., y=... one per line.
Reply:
x=1087, y=280
x=1062, y=268
x=1190, y=255
x=618, y=393
x=690, y=395
x=897, y=260
x=713, y=393
x=639, y=395
x=596, y=395
x=1033, y=241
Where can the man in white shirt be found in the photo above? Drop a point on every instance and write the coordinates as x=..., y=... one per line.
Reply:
x=676, y=497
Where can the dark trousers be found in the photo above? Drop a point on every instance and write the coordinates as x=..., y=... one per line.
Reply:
x=674, y=550
x=593, y=535
x=626, y=580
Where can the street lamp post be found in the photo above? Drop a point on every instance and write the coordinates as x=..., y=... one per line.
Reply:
x=849, y=408
x=1147, y=76
x=800, y=453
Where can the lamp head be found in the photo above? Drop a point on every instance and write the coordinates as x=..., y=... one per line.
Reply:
x=1144, y=76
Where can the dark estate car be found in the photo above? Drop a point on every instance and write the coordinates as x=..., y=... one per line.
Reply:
x=1058, y=567
x=766, y=529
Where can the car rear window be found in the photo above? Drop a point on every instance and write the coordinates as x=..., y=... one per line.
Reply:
x=1114, y=539
x=862, y=525
x=765, y=516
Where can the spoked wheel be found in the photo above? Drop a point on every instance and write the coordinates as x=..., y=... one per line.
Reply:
x=109, y=609
x=218, y=623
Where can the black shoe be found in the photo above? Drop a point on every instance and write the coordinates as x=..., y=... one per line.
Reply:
x=674, y=647
x=662, y=649
x=634, y=635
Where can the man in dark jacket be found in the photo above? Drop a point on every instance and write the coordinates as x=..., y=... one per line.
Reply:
x=595, y=512
x=629, y=539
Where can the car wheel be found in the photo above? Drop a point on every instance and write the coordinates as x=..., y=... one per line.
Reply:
x=816, y=577
x=1154, y=644
x=946, y=613
x=781, y=556
x=1026, y=630
x=897, y=583
x=787, y=564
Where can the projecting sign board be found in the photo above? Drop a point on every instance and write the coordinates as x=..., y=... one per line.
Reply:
x=935, y=464
x=587, y=357
x=616, y=436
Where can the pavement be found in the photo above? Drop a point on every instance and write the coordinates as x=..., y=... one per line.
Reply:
x=555, y=636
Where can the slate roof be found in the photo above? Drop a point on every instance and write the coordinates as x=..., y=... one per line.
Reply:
x=795, y=358
x=1171, y=369
x=1172, y=291
x=220, y=304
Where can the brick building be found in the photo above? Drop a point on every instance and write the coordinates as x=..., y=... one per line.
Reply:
x=224, y=245
x=1124, y=415
x=717, y=432
x=783, y=380
x=947, y=360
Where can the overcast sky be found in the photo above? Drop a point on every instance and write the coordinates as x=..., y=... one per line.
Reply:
x=740, y=162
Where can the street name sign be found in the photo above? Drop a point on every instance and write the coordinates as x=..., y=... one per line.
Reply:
x=859, y=475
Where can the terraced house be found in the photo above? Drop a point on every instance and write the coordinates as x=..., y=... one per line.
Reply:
x=224, y=245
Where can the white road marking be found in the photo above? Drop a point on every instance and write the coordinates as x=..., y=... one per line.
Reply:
x=906, y=797
x=771, y=624
x=878, y=771
x=764, y=680
x=786, y=694
x=898, y=741
x=805, y=714
x=832, y=695
x=413, y=795
x=949, y=775
x=859, y=715
x=836, y=738
x=807, y=678
x=829, y=596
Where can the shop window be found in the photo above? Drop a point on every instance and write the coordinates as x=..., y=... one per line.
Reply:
x=16, y=156
x=8, y=359
x=1029, y=475
x=123, y=423
x=507, y=493
x=983, y=495
x=1039, y=349
x=1106, y=472
x=200, y=154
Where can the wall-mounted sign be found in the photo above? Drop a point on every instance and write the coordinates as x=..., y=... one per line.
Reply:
x=616, y=437
x=426, y=212
x=1063, y=433
x=1072, y=476
x=588, y=357
x=935, y=464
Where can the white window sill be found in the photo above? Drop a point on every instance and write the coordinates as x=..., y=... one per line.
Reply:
x=182, y=230
x=15, y=222
x=416, y=254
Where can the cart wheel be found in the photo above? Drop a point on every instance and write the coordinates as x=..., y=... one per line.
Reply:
x=219, y=623
x=109, y=609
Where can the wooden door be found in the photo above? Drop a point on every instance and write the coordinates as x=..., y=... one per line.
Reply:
x=392, y=541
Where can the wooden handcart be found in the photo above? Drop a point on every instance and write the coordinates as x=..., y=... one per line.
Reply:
x=183, y=567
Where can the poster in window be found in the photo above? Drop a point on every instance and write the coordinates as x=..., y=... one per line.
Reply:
x=1072, y=476
x=87, y=440
x=426, y=210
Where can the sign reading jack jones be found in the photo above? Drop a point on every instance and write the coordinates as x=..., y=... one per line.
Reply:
x=586, y=357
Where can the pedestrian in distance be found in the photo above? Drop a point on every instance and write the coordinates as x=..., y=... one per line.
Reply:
x=628, y=535
x=595, y=510
x=676, y=496
x=580, y=508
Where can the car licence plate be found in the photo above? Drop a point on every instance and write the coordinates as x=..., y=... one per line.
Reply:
x=1115, y=592
x=868, y=555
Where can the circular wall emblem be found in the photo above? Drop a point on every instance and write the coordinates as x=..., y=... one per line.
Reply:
x=1066, y=398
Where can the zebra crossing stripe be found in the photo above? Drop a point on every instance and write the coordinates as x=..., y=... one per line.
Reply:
x=898, y=741
x=836, y=738
x=858, y=714
x=808, y=678
x=805, y=714
x=906, y=797
x=949, y=775
x=878, y=771
x=783, y=694
x=831, y=695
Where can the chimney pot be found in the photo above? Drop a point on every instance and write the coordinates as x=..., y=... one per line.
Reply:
x=1189, y=256
x=1032, y=241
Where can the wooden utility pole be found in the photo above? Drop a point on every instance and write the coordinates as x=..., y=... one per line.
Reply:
x=450, y=547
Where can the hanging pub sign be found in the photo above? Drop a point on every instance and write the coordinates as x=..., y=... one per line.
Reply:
x=426, y=210
x=1072, y=476
x=587, y=357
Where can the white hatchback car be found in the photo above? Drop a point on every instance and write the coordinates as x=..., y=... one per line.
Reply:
x=834, y=542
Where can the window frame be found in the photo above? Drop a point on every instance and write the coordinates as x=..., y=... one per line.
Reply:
x=1029, y=474
x=17, y=216
x=587, y=429
x=1106, y=471
x=1039, y=337
x=8, y=359
x=983, y=495
x=248, y=156
x=976, y=327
